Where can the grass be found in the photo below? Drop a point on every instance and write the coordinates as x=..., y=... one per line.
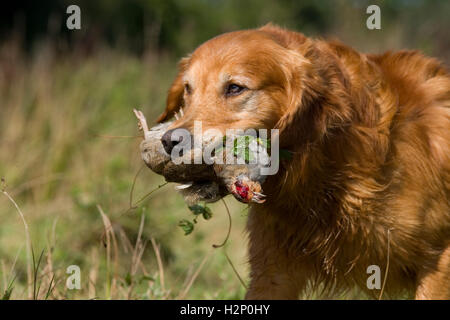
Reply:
x=68, y=173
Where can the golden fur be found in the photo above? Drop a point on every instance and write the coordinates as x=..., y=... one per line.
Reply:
x=370, y=136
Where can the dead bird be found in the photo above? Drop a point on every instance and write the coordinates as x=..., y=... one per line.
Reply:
x=202, y=182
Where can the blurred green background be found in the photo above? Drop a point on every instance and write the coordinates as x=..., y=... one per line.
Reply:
x=68, y=145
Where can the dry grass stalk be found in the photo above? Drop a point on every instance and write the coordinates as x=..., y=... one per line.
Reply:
x=194, y=276
x=27, y=239
x=160, y=264
x=93, y=273
x=128, y=247
x=136, y=258
x=4, y=279
x=39, y=181
x=110, y=235
x=387, y=264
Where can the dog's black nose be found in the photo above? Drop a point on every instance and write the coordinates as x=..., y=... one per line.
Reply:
x=170, y=140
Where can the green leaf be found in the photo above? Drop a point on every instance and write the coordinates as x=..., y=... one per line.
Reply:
x=8, y=291
x=235, y=146
x=7, y=294
x=207, y=214
x=198, y=209
x=187, y=226
x=248, y=155
x=241, y=147
x=264, y=143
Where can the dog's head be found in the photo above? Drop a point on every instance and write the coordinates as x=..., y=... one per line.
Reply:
x=253, y=79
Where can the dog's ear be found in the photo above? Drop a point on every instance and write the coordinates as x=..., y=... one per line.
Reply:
x=175, y=95
x=317, y=97
x=302, y=84
x=294, y=125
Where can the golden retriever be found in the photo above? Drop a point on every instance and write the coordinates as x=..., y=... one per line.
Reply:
x=369, y=180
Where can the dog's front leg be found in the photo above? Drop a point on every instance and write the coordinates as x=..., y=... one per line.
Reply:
x=273, y=275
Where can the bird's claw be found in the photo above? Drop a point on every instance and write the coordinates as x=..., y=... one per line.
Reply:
x=258, y=197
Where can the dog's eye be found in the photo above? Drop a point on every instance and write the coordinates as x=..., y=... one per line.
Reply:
x=187, y=88
x=234, y=89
